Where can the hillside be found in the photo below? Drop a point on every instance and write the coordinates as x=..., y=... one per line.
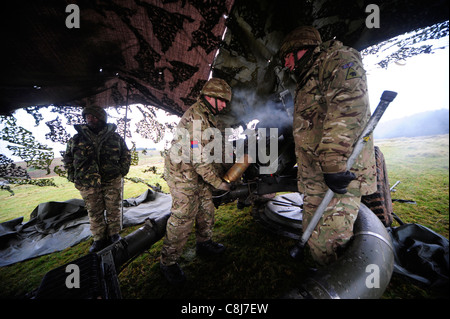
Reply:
x=421, y=124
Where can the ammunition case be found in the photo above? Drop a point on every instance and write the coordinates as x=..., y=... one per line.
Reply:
x=236, y=171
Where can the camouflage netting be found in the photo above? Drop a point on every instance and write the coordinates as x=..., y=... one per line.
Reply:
x=125, y=52
x=248, y=59
x=25, y=146
x=162, y=49
x=160, y=53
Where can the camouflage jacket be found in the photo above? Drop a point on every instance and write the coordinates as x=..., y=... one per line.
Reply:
x=188, y=173
x=91, y=159
x=331, y=110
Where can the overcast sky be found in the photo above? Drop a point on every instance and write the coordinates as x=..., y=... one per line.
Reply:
x=422, y=84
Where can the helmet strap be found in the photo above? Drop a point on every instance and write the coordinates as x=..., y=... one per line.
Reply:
x=303, y=64
x=217, y=108
x=214, y=110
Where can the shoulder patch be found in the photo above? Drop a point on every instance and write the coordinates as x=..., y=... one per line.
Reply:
x=351, y=72
x=348, y=65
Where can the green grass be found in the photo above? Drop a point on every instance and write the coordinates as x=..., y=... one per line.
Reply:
x=422, y=167
x=256, y=264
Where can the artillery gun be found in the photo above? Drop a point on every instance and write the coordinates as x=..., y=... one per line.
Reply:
x=346, y=278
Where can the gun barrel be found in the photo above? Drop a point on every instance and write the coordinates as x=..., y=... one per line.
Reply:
x=98, y=272
x=138, y=241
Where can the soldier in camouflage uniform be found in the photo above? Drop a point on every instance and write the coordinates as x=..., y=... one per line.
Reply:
x=190, y=182
x=96, y=159
x=331, y=110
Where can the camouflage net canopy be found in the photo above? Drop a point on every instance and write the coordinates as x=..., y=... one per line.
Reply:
x=152, y=53
x=24, y=145
x=162, y=49
x=159, y=53
x=37, y=156
x=248, y=59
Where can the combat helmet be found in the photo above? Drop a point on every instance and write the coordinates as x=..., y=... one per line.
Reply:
x=304, y=36
x=97, y=111
x=217, y=88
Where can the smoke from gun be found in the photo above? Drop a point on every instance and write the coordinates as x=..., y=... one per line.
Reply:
x=274, y=111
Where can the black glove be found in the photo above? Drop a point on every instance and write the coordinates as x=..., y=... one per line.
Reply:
x=224, y=186
x=338, y=182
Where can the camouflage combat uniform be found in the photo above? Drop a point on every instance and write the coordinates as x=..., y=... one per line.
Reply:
x=96, y=164
x=190, y=183
x=331, y=109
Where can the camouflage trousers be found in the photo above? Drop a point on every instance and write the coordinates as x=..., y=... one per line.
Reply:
x=335, y=228
x=189, y=205
x=103, y=206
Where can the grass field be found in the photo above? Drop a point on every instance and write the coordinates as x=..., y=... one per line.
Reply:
x=256, y=264
x=422, y=167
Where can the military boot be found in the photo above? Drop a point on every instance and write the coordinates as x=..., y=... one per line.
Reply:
x=98, y=245
x=209, y=247
x=114, y=238
x=173, y=273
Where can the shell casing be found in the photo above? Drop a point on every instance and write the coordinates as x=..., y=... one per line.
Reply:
x=236, y=171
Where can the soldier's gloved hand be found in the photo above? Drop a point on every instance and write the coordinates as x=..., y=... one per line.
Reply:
x=224, y=186
x=338, y=182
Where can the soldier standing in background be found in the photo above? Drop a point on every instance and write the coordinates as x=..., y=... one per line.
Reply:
x=190, y=184
x=331, y=109
x=96, y=159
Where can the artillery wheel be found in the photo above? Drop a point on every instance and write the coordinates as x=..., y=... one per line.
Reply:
x=380, y=202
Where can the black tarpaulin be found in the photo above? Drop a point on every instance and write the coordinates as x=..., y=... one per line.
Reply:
x=421, y=254
x=54, y=226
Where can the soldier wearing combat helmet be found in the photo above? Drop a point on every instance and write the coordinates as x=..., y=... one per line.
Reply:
x=96, y=159
x=190, y=183
x=331, y=108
